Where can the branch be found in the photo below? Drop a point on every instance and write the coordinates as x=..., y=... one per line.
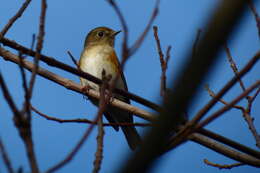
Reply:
x=163, y=61
x=257, y=18
x=222, y=149
x=79, y=120
x=76, y=87
x=189, y=127
x=14, y=18
x=223, y=166
x=37, y=54
x=126, y=51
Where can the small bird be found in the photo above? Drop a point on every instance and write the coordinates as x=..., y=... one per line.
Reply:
x=98, y=55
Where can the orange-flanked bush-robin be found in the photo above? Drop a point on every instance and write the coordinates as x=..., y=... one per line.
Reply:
x=98, y=55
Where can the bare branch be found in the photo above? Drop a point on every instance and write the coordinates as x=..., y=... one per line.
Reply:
x=226, y=151
x=227, y=107
x=80, y=120
x=189, y=127
x=8, y=97
x=233, y=66
x=164, y=62
x=195, y=44
x=257, y=18
x=212, y=94
x=140, y=40
x=38, y=52
x=14, y=18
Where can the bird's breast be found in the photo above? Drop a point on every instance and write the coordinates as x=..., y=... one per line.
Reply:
x=96, y=59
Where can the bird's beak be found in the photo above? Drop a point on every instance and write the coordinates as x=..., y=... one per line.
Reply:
x=115, y=33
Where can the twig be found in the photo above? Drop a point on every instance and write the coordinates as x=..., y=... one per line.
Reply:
x=73, y=59
x=38, y=52
x=80, y=120
x=140, y=40
x=164, y=62
x=228, y=106
x=74, y=151
x=14, y=18
x=251, y=126
x=212, y=94
x=99, y=152
x=257, y=18
x=245, y=113
x=33, y=42
x=8, y=97
x=223, y=166
x=103, y=102
x=126, y=51
x=5, y=157
x=233, y=66
x=195, y=44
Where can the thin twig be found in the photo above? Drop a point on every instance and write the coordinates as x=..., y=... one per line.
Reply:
x=212, y=94
x=140, y=40
x=73, y=59
x=230, y=166
x=14, y=18
x=8, y=97
x=228, y=106
x=38, y=51
x=125, y=50
x=81, y=120
x=163, y=61
x=129, y=51
x=195, y=44
x=251, y=126
x=233, y=65
x=257, y=18
x=103, y=102
x=5, y=157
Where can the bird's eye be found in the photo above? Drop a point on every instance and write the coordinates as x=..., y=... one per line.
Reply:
x=101, y=34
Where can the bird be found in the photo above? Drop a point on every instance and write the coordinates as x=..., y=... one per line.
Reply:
x=97, y=56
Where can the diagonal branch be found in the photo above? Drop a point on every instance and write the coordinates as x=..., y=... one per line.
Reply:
x=14, y=18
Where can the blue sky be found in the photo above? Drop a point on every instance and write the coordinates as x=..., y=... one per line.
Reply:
x=67, y=24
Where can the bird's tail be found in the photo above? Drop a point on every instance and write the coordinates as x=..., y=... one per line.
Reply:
x=132, y=136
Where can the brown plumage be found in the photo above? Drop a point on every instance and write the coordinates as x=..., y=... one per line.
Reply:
x=98, y=55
